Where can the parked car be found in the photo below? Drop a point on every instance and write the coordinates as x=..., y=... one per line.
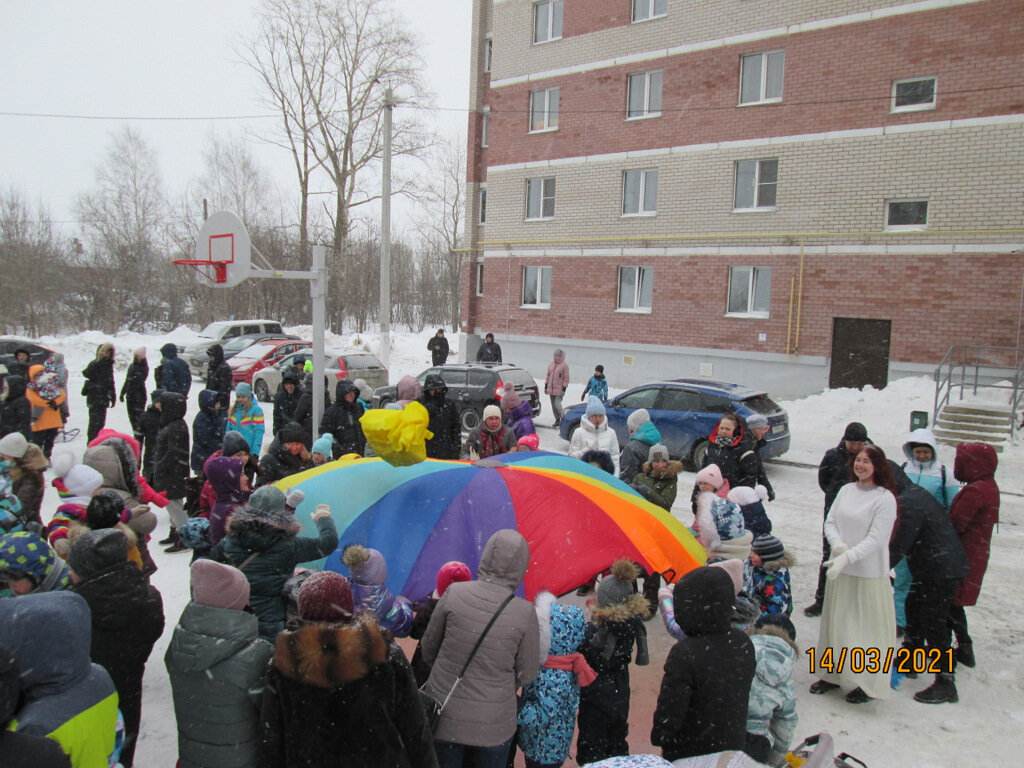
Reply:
x=37, y=353
x=685, y=411
x=472, y=386
x=338, y=364
x=198, y=362
x=225, y=330
x=260, y=355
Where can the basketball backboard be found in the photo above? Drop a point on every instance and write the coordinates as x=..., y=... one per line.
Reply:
x=223, y=251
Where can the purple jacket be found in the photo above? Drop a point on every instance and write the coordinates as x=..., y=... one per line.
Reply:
x=520, y=420
x=395, y=614
x=223, y=473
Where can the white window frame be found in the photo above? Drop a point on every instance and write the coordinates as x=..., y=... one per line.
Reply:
x=481, y=217
x=554, y=9
x=549, y=96
x=757, y=184
x=485, y=127
x=647, y=77
x=638, y=308
x=914, y=107
x=751, y=280
x=538, y=287
x=765, y=57
x=905, y=227
x=642, y=208
x=546, y=191
x=488, y=52
x=649, y=9
x=479, y=278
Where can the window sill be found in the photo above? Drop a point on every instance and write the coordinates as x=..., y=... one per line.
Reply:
x=634, y=311
x=760, y=102
x=549, y=40
x=912, y=108
x=906, y=227
x=535, y=306
x=541, y=218
x=748, y=315
x=644, y=215
x=648, y=116
x=542, y=130
x=762, y=209
x=650, y=18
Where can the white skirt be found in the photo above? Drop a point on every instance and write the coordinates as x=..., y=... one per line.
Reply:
x=858, y=614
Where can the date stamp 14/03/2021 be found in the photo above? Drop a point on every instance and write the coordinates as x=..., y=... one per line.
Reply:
x=920, y=661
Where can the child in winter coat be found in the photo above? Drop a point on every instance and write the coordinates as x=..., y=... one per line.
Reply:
x=246, y=417
x=28, y=565
x=616, y=624
x=227, y=478
x=657, y=481
x=133, y=391
x=369, y=577
x=323, y=450
x=597, y=385
x=719, y=526
x=16, y=414
x=22, y=750
x=547, y=716
x=746, y=609
x=207, y=429
x=642, y=435
x=11, y=518
x=47, y=416
x=702, y=705
x=770, y=569
x=751, y=504
x=79, y=483
x=771, y=708
x=447, y=574
x=146, y=432
x=594, y=434
x=216, y=663
x=170, y=467
x=26, y=467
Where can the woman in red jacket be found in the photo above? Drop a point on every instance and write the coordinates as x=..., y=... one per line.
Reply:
x=975, y=510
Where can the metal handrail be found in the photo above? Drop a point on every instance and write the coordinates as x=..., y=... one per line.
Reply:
x=962, y=368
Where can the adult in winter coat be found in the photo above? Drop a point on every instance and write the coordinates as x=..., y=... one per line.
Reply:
x=246, y=417
x=29, y=566
x=594, y=434
x=216, y=663
x=207, y=429
x=262, y=541
x=444, y=419
x=657, y=482
x=518, y=413
x=925, y=540
x=702, y=705
x=226, y=476
x=21, y=750
x=771, y=709
x=286, y=400
x=303, y=415
x=218, y=375
x=858, y=609
x=21, y=363
x=99, y=389
x=725, y=447
x=67, y=697
x=490, y=438
x=173, y=374
x=751, y=463
x=489, y=351
x=438, y=348
x=287, y=455
x=16, y=414
x=833, y=473
x=127, y=618
x=26, y=471
x=339, y=691
x=974, y=512
x=642, y=435
x=145, y=434
x=170, y=465
x=133, y=391
x=47, y=418
x=479, y=720
x=556, y=381
x=341, y=420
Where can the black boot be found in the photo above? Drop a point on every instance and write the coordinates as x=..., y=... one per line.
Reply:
x=942, y=691
x=965, y=654
x=171, y=538
x=176, y=545
x=814, y=609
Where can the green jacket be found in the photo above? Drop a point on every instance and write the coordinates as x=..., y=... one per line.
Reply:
x=658, y=489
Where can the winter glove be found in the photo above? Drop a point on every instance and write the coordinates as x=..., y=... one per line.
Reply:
x=836, y=565
x=839, y=548
x=53, y=404
x=322, y=510
x=295, y=498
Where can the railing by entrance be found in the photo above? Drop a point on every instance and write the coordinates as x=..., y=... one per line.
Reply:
x=973, y=367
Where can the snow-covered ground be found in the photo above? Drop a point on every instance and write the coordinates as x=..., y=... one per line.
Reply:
x=985, y=729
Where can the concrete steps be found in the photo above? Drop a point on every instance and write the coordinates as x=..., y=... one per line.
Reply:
x=976, y=422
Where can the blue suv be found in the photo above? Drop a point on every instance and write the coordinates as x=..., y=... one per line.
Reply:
x=685, y=411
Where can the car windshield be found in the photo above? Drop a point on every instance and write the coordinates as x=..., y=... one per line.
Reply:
x=214, y=330
x=236, y=345
x=255, y=352
x=762, y=404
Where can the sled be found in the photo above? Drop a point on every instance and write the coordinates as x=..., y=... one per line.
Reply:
x=818, y=751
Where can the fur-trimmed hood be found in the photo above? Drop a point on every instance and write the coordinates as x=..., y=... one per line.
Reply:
x=635, y=605
x=774, y=631
x=562, y=627
x=786, y=561
x=116, y=461
x=330, y=655
x=674, y=468
x=34, y=460
x=775, y=655
x=250, y=523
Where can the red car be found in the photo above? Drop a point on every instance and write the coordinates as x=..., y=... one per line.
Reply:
x=262, y=354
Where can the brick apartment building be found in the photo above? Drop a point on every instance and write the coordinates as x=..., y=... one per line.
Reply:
x=784, y=193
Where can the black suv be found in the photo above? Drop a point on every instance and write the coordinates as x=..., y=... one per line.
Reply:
x=472, y=386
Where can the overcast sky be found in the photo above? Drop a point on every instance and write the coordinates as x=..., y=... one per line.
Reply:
x=146, y=58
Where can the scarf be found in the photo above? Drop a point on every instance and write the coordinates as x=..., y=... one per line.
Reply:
x=573, y=662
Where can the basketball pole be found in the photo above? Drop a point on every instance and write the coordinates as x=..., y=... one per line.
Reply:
x=385, y=235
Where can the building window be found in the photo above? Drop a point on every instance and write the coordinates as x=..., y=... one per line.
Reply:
x=479, y=278
x=648, y=9
x=547, y=20
x=488, y=53
x=906, y=214
x=755, y=184
x=483, y=205
x=761, y=77
x=540, y=198
x=750, y=291
x=644, y=95
x=544, y=110
x=913, y=94
x=636, y=288
x=485, y=127
x=640, y=192
x=537, y=287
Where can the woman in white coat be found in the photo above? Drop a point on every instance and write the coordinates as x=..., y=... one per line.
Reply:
x=858, y=613
x=594, y=434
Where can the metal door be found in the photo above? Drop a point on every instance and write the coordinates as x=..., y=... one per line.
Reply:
x=860, y=352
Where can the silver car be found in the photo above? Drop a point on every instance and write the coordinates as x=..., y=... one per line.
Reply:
x=338, y=364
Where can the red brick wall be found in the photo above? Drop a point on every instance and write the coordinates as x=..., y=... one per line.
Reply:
x=933, y=310
x=835, y=79
x=580, y=17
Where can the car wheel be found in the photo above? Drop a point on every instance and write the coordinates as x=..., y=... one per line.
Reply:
x=470, y=420
x=261, y=390
x=697, y=456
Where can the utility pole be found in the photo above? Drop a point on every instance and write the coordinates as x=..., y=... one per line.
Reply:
x=385, y=235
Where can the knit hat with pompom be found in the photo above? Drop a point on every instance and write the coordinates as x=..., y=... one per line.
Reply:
x=367, y=565
x=617, y=587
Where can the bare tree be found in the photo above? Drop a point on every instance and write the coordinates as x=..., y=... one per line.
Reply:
x=441, y=231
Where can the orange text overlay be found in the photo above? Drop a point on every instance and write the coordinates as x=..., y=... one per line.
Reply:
x=904, y=661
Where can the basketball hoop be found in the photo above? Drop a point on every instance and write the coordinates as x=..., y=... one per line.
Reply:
x=223, y=252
